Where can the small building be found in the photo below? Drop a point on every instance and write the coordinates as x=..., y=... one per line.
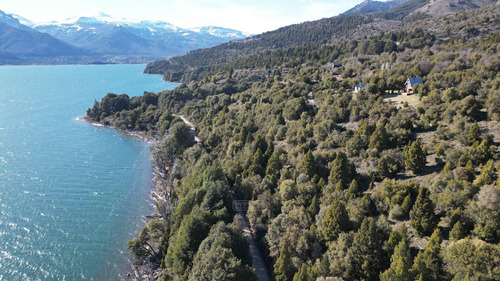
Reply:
x=359, y=87
x=410, y=83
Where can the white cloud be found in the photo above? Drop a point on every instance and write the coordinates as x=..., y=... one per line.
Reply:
x=253, y=16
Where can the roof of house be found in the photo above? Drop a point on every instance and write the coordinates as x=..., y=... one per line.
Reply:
x=416, y=80
x=360, y=85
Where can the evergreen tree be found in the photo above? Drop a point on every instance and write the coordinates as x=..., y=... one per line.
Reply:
x=368, y=257
x=284, y=268
x=395, y=238
x=313, y=208
x=305, y=273
x=487, y=175
x=272, y=170
x=336, y=220
x=457, y=232
x=367, y=206
x=456, y=215
x=342, y=171
x=218, y=263
x=428, y=264
x=471, y=173
x=353, y=189
x=407, y=205
x=260, y=143
x=379, y=140
x=472, y=260
x=257, y=168
x=273, y=164
x=181, y=137
x=223, y=255
x=308, y=165
x=474, y=134
x=422, y=216
x=415, y=157
x=401, y=262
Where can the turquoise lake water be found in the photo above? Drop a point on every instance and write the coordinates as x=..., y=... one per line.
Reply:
x=71, y=194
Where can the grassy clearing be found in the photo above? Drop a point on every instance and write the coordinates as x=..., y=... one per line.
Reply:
x=399, y=100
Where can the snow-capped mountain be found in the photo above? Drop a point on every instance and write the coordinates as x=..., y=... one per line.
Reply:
x=220, y=32
x=11, y=20
x=101, y=38
x=111, y=36
x=20, y=44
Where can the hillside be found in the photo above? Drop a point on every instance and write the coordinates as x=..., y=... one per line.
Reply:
x=440, y=7
x=288, y=40
x=27, y=43
x=263, y=45
x=377, y=183
x=370, y=6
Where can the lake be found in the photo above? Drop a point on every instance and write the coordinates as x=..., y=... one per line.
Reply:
x=71, y=194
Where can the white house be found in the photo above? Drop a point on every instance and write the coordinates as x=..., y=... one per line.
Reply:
x=411, y=82
x=359, y=87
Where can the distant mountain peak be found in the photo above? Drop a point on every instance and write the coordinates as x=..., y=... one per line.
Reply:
x=220, y=32
x=11, y=20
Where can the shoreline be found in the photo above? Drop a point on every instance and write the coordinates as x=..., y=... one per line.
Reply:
x=138, y=134
x=133, y=271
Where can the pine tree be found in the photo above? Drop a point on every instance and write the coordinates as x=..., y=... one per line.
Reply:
x=342, y=171
x=313, y=208
x=401, y=262
x=353, y=189
x=379, y=140
x=256, y=168
x=273, y=164
x=457, y=232
x=428, y=264
x=283, y=268
x=260, y=143
x=305, y=273
x=471, y=173
x=407, y=205
x=474, y=134
x=456, y=215
x=367, y=254
x=336, y=220
x=415, y=157
x=308, y=165
x=487, y=175
x=367, y=206
x=395, y=238
x=422, y=216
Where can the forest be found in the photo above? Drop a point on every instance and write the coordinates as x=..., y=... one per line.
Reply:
x=342, y=185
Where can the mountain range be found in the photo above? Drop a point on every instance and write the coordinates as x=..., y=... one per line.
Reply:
x=263, y=49
x=101, y=38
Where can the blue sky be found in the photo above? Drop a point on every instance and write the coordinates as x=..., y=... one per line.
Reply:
x=254, y=16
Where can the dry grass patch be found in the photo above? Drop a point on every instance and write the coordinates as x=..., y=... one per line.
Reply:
x=399, y=100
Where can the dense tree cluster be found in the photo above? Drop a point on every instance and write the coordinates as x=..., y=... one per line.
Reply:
x=348, y=187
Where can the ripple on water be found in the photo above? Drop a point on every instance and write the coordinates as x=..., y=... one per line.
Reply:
x=71, y=194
